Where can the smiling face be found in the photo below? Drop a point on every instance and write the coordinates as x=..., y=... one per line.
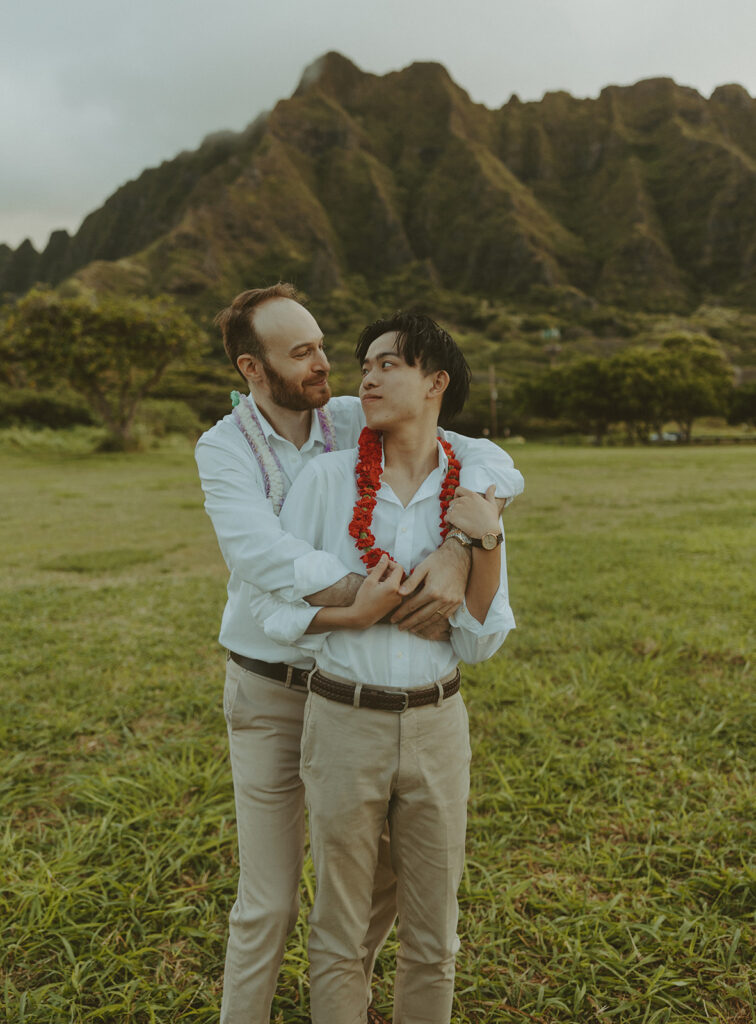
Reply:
x=392, y=392
x=293, y=372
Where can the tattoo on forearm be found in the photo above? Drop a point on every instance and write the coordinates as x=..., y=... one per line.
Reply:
x=340, y=594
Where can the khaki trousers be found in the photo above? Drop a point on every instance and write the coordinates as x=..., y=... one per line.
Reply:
x=362, y=768
x=264, y=720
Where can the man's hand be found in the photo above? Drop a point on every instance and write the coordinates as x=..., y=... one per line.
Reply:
x=378, y=595
x=434, y=591
x=437, y=587
x=474, y=514
x=437, y=628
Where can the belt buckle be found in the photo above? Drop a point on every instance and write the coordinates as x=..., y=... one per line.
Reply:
x=399, y=711
x=289, y=675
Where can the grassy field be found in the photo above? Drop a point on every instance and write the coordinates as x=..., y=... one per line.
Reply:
x=610, y=875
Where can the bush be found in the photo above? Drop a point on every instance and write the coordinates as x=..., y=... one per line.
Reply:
x=537, y=322
x=65, y=441
x=159, y=417
x=30, y=407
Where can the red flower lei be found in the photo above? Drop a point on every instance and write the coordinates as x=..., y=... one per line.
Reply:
x=367, y=473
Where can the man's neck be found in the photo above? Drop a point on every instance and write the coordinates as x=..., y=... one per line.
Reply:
x=410, y=454
x=291, y=424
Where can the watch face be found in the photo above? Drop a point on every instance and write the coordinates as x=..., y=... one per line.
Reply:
x=489, y=541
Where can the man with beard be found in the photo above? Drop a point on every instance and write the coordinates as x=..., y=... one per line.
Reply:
x=247, y=463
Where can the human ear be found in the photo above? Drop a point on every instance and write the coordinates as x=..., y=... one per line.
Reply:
x=439, y=383
x=250, y=368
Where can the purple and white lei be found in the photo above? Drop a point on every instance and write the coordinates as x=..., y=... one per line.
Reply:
x=270, y=466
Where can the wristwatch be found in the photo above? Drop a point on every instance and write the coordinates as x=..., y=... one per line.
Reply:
x=488, y=541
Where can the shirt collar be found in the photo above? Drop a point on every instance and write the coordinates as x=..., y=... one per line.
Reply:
x=269, y=431
x=443, y=458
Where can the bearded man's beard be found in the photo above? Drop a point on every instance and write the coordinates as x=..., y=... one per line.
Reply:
x=294, y=396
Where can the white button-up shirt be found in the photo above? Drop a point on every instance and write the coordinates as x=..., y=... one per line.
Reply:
x=319, y=509
x=262, y=556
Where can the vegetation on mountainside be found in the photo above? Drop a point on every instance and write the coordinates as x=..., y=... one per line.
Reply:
x=539, y=233
x=644, y=198
x=520, y=350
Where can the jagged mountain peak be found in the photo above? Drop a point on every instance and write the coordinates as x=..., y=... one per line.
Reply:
x=645, y=196
x=427, y=71
x=733, y=93
x=332, y=73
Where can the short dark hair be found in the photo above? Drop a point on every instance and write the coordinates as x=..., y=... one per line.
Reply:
x=420, y=339
x=237, y=321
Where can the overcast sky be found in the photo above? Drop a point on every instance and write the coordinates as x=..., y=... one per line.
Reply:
x=94, y=91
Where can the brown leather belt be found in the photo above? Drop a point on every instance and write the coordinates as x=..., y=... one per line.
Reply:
x=281, y=673
x=382, y=700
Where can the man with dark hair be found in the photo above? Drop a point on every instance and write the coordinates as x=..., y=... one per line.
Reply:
x=247, y=463
x=362, y=766
x=421, y=340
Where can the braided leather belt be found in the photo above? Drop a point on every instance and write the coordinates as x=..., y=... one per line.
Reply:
x=382, y=700
x=278, y=671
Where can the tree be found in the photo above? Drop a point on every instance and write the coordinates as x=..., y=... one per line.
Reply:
x=697, y=379
x=743, y=405
x=582, y=393
x=590, y=395
x=543, y=396
x=637, y=376
x=112, y=351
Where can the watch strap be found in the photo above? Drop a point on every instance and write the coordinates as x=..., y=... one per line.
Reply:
x=478, y=542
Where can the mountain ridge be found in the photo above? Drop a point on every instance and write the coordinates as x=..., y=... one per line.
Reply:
x=644, y=197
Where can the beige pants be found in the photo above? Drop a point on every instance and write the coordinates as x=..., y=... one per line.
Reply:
x=362, y=768
x=264, y=721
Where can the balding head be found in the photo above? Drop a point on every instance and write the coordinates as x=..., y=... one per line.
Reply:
x=239, y=322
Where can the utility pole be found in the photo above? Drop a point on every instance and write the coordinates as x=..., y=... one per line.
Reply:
x=493, y=395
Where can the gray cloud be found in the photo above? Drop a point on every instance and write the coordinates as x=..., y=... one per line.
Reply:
x=93, y=91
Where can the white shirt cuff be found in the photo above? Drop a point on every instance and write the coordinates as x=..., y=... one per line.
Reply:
x=498, y=620
x=288, y=625
x=313, y=572
x=478, y=479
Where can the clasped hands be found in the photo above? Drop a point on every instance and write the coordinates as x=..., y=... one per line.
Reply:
x=427, y=598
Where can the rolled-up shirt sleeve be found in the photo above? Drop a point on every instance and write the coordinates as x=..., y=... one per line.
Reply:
x=474, y=641
x=485, y=463
x=286, y=621
x=252, y=540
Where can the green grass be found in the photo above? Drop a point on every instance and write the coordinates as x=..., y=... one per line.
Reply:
x=610, y=873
